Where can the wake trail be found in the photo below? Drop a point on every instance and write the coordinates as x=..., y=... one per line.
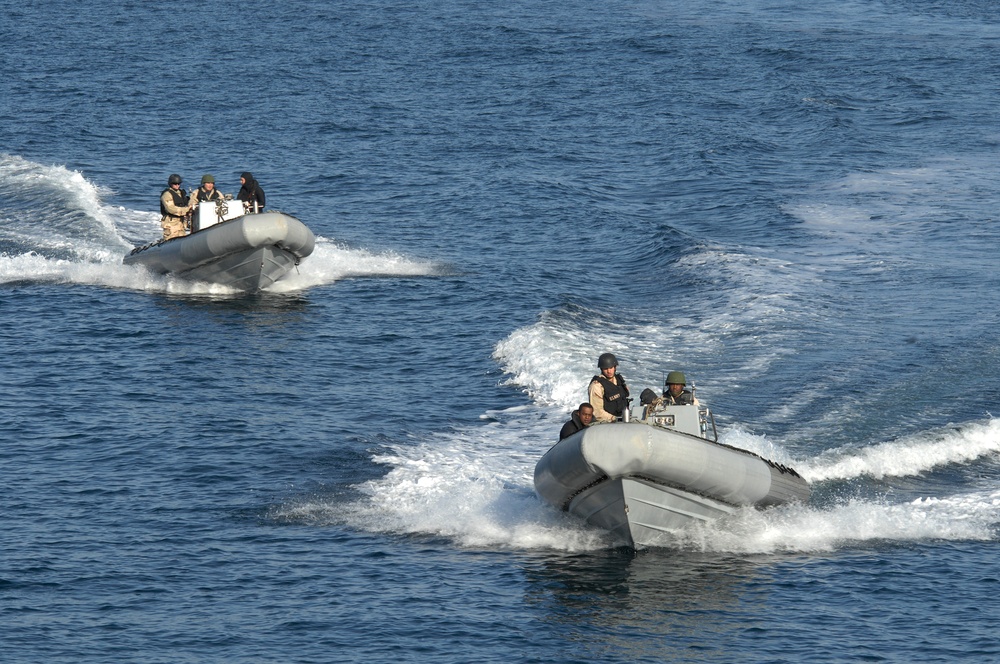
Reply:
x=906, y=457
x=56, y=228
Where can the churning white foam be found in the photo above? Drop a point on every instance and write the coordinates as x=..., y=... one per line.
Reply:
x=553, y=360
x=801, y=528
x=327, y=265
x=331, y=262
x=475, y=487
x=61, y=231
x=909, y=456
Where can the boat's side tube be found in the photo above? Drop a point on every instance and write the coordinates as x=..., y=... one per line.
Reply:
x=677, y=459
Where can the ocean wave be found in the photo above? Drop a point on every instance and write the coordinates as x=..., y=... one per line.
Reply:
x=910, y=456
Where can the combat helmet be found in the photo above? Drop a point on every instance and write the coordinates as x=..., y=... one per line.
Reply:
x=606, y=361
x=675, y=378
x=174, y=179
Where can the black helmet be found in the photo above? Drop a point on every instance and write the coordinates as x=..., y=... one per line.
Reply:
x=174, y=179
x=606, y=361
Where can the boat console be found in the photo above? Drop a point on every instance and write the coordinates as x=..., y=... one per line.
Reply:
x=692, y=420
x=207, y=214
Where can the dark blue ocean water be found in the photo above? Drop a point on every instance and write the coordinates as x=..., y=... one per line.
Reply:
x=795, y=204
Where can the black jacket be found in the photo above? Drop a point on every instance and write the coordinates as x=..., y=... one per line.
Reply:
x=251, y=191
x=685, y=398
x=572, y=426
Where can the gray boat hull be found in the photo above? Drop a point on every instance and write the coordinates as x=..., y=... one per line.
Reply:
x=248, y=253
x=644, y=483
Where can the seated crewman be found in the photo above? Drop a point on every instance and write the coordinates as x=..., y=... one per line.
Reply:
x=580, y=420
x=674, y=393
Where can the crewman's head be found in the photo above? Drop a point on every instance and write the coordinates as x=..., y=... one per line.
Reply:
x=675, y=382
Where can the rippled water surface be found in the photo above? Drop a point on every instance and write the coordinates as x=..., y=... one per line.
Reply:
x=794, y=204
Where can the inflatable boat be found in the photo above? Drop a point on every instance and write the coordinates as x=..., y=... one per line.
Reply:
x=246, y=252
x=645, y=479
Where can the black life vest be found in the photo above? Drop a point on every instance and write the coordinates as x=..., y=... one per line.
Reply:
x=202, y=195
x=614, y=395
x=181, y=199
x=685, y=398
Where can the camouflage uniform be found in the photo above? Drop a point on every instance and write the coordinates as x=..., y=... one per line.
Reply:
x=174, y=208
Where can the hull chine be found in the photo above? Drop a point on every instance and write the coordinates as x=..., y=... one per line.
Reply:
x=641, y=512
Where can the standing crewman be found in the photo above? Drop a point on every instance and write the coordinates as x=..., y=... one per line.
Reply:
x=608, y=391
x=174, y=208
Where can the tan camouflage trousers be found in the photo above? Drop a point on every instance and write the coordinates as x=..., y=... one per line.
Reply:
x=172, y=227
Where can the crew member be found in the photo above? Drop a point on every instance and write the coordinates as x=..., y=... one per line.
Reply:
x=578, y=421
x=207, y=191
x=174, y=208
x=250, y=193
x=674, y=393
x=608, y=391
